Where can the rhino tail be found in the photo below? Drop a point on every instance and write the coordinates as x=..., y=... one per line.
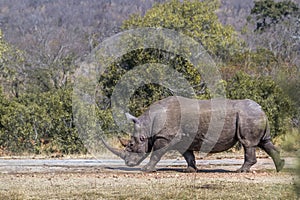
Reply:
x=238, y=130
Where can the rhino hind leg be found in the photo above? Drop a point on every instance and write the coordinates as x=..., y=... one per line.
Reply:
x=190, y=159
x=271, y=150
x=250, y=159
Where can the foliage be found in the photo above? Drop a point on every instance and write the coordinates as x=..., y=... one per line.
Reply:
x=268, y=94
x=278, y=24
x=40, y=123
x=269, y=12
x=277, y=34
x=3, y=46
x=260, y=62
x=196, y=19
x=290, y=142
x=12, y=68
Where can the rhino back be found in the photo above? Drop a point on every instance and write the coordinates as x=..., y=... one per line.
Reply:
x=190, y=119
x=244, y=121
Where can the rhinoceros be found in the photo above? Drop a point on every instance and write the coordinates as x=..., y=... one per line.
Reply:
x=179, y=123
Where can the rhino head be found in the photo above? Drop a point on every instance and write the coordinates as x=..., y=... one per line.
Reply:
x=137, y=148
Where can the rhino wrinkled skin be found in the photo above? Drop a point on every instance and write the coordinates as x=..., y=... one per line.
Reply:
x=178, y=123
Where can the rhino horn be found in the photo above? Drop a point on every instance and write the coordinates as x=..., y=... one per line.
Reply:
x=124, y=142
x=115, y=151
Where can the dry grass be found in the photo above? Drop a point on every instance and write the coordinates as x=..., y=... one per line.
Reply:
x=100, y=183
x=290, y=142
x=161, y=185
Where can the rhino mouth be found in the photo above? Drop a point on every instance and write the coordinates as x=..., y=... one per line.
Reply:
x=134, y=159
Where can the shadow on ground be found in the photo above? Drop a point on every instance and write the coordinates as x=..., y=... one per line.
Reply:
x=171, y=169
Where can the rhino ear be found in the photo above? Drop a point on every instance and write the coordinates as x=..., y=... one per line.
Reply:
x=132, y=118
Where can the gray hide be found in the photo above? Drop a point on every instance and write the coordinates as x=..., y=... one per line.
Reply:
x=178, y=123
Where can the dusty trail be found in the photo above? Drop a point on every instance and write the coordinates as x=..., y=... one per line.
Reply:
x=10, y=166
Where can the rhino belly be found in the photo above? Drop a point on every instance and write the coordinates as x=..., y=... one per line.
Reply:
x=224, y=145
x=226, y=140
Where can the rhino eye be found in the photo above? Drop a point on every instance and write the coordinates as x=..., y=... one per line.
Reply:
x=142, y=138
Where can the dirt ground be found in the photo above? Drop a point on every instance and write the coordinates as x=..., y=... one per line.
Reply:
x=212, y=181
x=159, y=185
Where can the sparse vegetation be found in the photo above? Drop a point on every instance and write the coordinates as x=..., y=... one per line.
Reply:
x=297, y=181
x=263, y=185
x=290, y=142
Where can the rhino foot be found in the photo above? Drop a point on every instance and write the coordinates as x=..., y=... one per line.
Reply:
x=243, y=170
x=148, y=169
x=280, y=165
x=190, y=169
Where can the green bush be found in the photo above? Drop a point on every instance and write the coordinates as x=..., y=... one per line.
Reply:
x=27, y=122
x=196, y=19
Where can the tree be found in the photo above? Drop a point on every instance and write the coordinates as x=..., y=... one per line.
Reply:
x=52, y=35
x=12, y=68
x=277, y=29
x=196, y=19
x=269, y=12
x=3, y=46
x=277, y=36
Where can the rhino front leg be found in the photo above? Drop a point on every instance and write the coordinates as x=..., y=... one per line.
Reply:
x=250, y=159
x=154, y=159
x=190, y=159
x=159, y=149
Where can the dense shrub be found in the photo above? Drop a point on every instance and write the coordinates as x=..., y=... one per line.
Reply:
x=39, y=123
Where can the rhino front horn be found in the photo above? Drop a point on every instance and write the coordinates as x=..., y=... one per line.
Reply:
x=115, y=151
